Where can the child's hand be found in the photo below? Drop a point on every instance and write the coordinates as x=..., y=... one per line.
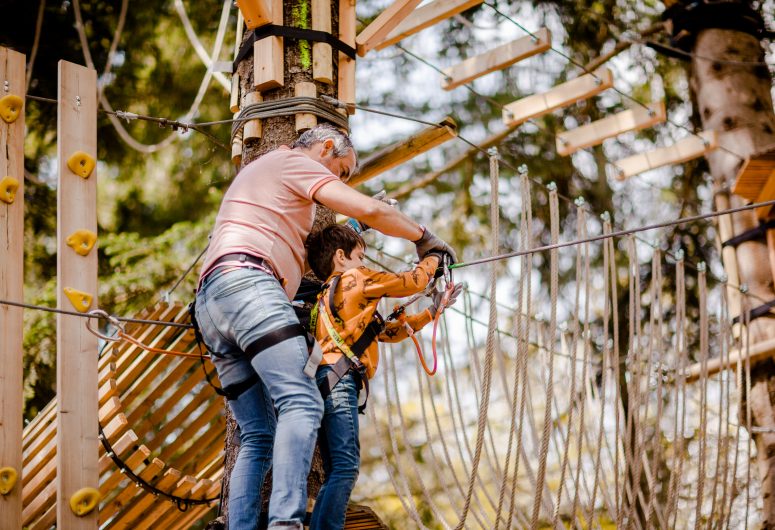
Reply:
x=438, y=299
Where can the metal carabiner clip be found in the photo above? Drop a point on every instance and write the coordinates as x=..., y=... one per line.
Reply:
x=99, y=313
x=446, y=263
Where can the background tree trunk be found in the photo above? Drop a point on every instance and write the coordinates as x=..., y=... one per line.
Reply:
x=735, y=100
x=276, y=132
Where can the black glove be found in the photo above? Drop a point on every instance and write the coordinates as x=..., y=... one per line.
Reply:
x=361, y=227
x=438, y=299
x=429, y=243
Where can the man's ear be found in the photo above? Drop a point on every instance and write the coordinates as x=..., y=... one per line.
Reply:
x=328, y=147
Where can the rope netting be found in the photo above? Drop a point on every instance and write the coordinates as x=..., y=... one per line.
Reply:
x=583, y=417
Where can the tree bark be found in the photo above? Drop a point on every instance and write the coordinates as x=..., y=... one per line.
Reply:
x=735, y=100
x=276, y=132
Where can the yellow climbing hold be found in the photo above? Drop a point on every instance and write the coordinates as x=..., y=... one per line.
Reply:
x=84, y=501
x=8, y=187
x=8, y=476
x=10, y=107
x=80, y=163
x=81, y=301
x=82, y=241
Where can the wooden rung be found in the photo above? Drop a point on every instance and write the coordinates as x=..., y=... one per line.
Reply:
x=160, y=388
x=128, y=516
x=109, y=409
x=305, y=121
x=187, y=435
x=133, y=461
x=114, y=430
x=401, y=152
x=106, y=373
x=386, y=22
x=322, y=55
x=757, y=352
x=107, y=391
x=46, y=521
x=125, y=496
x=34, y=484
x=683, y=150
x=594, y=133
x=425, y=17
x=255, y=12
x=39, y=505
x=559, y=96
x=497, y=59
x=121, y=447
x=268, y=55
x=184, y=416
x=213, y=437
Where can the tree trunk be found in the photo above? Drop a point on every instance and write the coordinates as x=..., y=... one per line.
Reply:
x=735, y=100
x=276, y=132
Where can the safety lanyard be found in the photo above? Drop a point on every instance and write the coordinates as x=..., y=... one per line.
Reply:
x=338, y=340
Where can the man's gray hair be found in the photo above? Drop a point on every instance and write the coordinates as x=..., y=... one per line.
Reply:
x=321, y=133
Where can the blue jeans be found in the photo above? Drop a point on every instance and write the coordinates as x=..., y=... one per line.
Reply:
x=341, y=452
x=279, y=416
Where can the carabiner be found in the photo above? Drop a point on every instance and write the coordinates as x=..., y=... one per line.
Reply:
x=99, y=313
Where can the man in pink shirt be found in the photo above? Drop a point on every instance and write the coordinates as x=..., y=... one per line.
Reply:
x=252, y=270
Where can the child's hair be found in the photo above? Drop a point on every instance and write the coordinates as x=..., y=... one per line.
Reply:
x=322, y=245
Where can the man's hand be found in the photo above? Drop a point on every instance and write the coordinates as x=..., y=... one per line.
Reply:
x=438, y=299
x=429, y=243
x=360, y=227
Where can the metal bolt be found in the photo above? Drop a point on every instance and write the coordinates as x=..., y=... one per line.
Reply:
x=606, y=217
x=78, y=100
x=743, y=288
x=552, y=186
x=492, y=151
x=723, y=278
x=679, y=254
x=701, y=267
x=6, y=85
x=522, y=169
x=580, y=201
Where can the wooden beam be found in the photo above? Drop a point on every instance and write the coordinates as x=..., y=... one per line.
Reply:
x=11, y=284
x=594, y=133
x=322, y=55
x=425, y=17
x=562, y=95
x=490, y=141
x=683, y=150
x=386, y=22
x=268, y=56
x=757, y=352
x=256, y=13
x=346, y=65
x=496, y=59
x=403, y=151
x=76, y=347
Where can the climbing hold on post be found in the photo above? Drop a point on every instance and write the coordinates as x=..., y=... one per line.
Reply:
x=84, y=501
x=8, y=476
x=8, y=187
x=81, y=301
x=10, y=107
x=82, y=241
x=80, y=163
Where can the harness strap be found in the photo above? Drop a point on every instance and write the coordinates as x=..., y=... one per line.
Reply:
x=337, y=372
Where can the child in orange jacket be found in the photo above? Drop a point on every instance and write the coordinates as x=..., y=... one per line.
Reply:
x=346, y=323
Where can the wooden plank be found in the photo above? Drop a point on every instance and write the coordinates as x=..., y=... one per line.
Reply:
x=634, y=119
x=39, y=505
x=121, y=447
x=322, y=55
x=211, y=438
x=47, y=520
x=425, y=17
x=190, y=432
x=683, y=150
x=562, y=95
x=346, y=65
x=268, y=58
x=256, y=13
x=76, y=346
x=163, y=408
x=125, y=496
x=42, y=419
x=496, y=59
x=133, y=461
x=184, y=416
x=757, y=352
x=12, y=74
x=385, y=22
x=252, y=128
x=401, y=152
x=129, y=516
x=755, y=172
x=304, y=120
x=767, y=193
x=151, y=519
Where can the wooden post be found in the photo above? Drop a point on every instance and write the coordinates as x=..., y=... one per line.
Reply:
x=268, y=55
x=11, y=283
x=76, y=347
x=322, y=57
x=346, y=84
x=305, y=121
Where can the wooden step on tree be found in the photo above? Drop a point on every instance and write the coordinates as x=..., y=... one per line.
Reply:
x=162, y=419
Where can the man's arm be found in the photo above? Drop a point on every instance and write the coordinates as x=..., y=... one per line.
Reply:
x=343, y=199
